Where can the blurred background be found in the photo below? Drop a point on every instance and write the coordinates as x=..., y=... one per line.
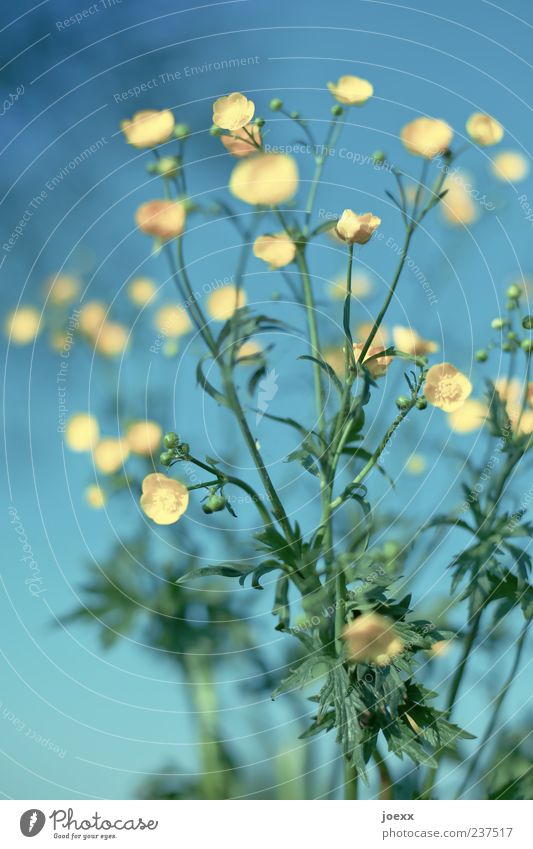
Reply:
x=110, y=704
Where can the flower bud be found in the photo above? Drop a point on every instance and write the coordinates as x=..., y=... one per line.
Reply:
x=337, y=110
x=514, y=292
x=171, y=439
x=527, y=322
x=527, y=345
x=421, y=403
x=499, y=323
x=482, y=356
x=181, y=131
x=295, y=115
x=167, y=166
x=511, y=305
x=214, y=504
x=357, y=229
x=379, y=157
x=215, y=131
x=276, y=104
x=259, y=122
x=185, y=448
x=166, y=457
x=508, y=347
x=403, y=402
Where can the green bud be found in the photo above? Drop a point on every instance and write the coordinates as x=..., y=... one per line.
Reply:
x=295, y=115
x=527, y=322
x=508, y=347
x=511, y=305
x=482, y=356
x=214, y=504
x=185, y=448
x=151, y=167
x=499, y=323
x=514, y=292
x=527, y=345
x=337, y=110
x=403, y=402
x=512, y=336
x=181, y=131
x=168, y=166
x=259, y=122
x=166, y=458
x=421, y=404
x=379, y=157
x=276, y=104
x=215, y=131
x=171, y=439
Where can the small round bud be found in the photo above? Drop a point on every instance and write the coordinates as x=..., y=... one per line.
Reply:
x=181, y=131
x=259, y=122
x=166, y=458
x=171, y=439
x=276, y=104
x=527, y=322
x=168, y=166
x=508, y=347
x=379, y=157
x=482, y=356
x=337, y=110
x=295, y=115
x=511, y=305
x=214, y=504
x=185, y=447
x=499, y=323
x=421, y=404
x=514, y=292
x=215, y=131
x=151, y=167
x=403, y=402
x=527, y=345
x=512, y=336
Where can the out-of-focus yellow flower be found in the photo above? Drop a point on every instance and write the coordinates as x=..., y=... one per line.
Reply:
x=335, y=358
x=511, y=391
x=470, y=416
x=457, y=206
x=95, y=496
x=233, y=112
x=162, y=219
x=144, y=437
x=361, y=286
x=222, y=303
x=92, y=316
x=372, y=638
x=163, y=499
x=357, y=229
x=277, y=250
x=363, y=331
x=170, y=348
x=250, y=348
x=62, y=289
x=141, y=291
x=427, y=137
x=173, y=321
x=240, y=144
x=82, y=432
x=484, y=129
x=58, y=339
x=110, y=454
x=510, y=166
x=265, y=178
x=350, y=90
x=112, y=339
x=416, y=464
x=377, y=366
x=441, y=647
x=446, y=387
x=148, y=128
x=408, y=341
x=23, y=325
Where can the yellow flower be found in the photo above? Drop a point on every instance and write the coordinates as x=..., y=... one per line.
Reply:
x=378, y=366
x=250, y=348
x=144, y=437
x=335, y=358
x=112, y=339
x=148, y=128
x=110, y=454
x=222, y=303
x=163, y=499
x=361, y=286
x=416, y=464
x=95, y=496
x=357, y=229
x=92, y=316
x=23, y=325
x=62, y=289
x=233, y=111
x=58, y=339
x=173, y=321
x=277, y=250
x=353, y=91
x=364, y=330
x=162, y=219
x=141, y=291
x=240, y=144
x=408, y=341
x=82, y=432
x=265, y=178
x=372, y=638
x=484, y=129
x=511, y=392
x=446, y=387
x=469, y=417
x=511, y=166
x=441, y=647
x=457, y=206
x=427, y=137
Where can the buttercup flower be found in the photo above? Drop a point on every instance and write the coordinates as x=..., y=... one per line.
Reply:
x=233, y=111
x=361, y=286
x=249, y=349
x=357, y=229
x=144, y=438
x=372, y=638
x=446, y=387
x=23, y=325
x=457, y=206
x=110, y=454
x=163, y=499
x=408, y=341
x=484, y=130
x=62, y=289
x=173, y=321
x=277, y=250
x=364, y=330
x=141, y=291
x=511, y=392
x=82, y=432
x=148, y=128
x=335, y=358
x=470, y=416
x=95, y=496
x=416, y=464
x=92, y=316
x=162, y=219
x=427, y=137
x=378, y=366
x=111, y=339
x=265, y=178
x=242, y=145
x=222, y=303
x=441, y=647
x=352, y=91
x=510, y=166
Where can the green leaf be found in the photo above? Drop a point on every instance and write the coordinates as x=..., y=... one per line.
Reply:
x=326, y=368
x=310, y=670
x=207, y=387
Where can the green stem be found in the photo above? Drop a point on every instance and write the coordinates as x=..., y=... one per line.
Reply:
x=331, y=138
x=350, y=781
x=223, y=478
